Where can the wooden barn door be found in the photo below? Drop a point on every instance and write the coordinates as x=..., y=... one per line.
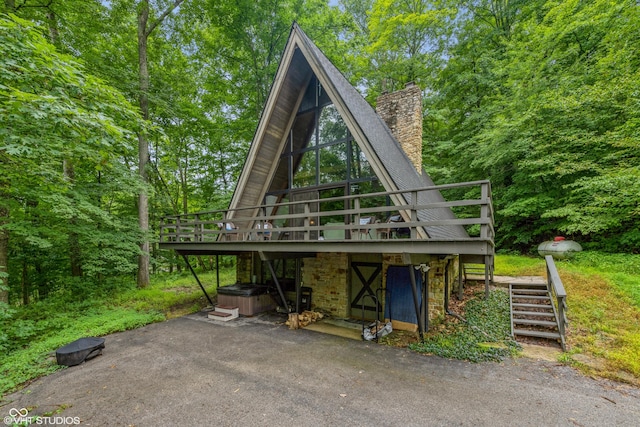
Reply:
x=366, y=279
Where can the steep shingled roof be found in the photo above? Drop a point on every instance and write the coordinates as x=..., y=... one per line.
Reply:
x=300, y=60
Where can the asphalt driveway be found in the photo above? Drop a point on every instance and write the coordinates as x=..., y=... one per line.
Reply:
x=197, y=372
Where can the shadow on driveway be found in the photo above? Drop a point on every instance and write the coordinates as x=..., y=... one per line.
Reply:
x=251, y=371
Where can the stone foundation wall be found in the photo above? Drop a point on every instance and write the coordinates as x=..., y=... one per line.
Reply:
x=436, y=285
x=328, y=277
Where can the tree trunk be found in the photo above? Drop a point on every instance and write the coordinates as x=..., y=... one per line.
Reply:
x=5, y=184
x=4, y=252
x=143, y=145
x=75, y=258
x=68, y=172
x=54, y=35
x=183, y=184
x=25, y=283
x=144, y=30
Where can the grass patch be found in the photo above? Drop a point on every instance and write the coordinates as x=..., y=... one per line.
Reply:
x=484, y=337
x=518, y=265
x=31, y=334
x=36, y=358
x=621, y=271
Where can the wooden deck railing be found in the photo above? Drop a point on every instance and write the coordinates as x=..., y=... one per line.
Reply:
x=355, y=217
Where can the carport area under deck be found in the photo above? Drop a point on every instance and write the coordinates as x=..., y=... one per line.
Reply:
x=305, y=229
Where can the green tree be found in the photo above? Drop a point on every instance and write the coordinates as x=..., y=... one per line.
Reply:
x=406, y=41
x=145, y=28
x=542, y=99
x=53, y=111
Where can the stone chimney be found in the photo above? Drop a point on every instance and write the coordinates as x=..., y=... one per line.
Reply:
x=402, y=112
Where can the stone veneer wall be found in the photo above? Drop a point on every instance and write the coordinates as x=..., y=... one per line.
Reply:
x=402, y=112
x=328, y=277
x=436, y=285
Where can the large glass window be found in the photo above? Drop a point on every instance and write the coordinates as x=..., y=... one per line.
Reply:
x=320, y=151
x=359, y=165
x=333, y=163
x=331, y=127
x=305, y=173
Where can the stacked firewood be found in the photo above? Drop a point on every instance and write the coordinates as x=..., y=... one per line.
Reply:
x=297, y=321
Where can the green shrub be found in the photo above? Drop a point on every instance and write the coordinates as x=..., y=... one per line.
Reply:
x=486, y=335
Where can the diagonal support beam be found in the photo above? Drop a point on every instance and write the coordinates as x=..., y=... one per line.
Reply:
x=274, y=276
x=406, y=260
x=416, y=301
x=186, y=260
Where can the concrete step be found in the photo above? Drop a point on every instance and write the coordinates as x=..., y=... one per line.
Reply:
x=233, y=310
x=223, y=317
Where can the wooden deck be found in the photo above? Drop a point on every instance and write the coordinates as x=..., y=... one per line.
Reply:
x=360, y=225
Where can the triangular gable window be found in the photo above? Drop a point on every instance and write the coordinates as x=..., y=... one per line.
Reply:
x=320, y=152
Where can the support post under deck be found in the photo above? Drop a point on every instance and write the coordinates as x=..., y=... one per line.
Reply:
x=414, y=289
x=186, y=260
x=274, y=276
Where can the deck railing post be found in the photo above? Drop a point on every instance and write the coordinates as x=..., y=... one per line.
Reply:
x=484, y=210
x=307, y=221
x=561, y=315
x=198, y=228
x=356, y=219
x=414, y=214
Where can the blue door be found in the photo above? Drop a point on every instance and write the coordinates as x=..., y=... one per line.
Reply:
x=399, y=296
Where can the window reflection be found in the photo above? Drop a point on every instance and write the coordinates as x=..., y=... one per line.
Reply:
x=305, y=174
x=320, y=150
x=360, y=166
x=331, y=127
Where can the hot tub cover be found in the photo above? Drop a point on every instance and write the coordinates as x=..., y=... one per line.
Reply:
x=243, y=289
x=80, y=350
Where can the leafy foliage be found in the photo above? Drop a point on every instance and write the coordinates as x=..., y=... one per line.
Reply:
x=546, y=108
x=406, y=41
x=64, y=175
x=486, y=336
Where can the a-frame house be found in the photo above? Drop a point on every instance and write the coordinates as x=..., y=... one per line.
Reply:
x=333, y=203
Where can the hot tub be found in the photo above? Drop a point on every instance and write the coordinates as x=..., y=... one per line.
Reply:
x=249, y=298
